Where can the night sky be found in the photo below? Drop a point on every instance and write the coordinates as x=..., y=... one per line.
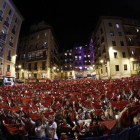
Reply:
x=73, y=21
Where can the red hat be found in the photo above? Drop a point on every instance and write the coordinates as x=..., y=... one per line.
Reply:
x=26, y=108
x=15, y=109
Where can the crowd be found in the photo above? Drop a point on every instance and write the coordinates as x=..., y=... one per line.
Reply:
x=70, y=109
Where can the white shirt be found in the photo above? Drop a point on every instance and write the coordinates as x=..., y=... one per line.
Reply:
x=51, y=128
x=40, y=131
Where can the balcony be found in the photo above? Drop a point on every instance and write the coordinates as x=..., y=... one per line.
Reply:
x=1, y=18
x=37, y=58
x=3, y=37
x=128, y=33
x=9, y=58
x=13, y=31
x=6, y=23
x=11, y=44
x=36, y=49
x=131, y=43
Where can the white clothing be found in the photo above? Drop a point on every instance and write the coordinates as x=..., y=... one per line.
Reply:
x=52, y=128
x=40, y=131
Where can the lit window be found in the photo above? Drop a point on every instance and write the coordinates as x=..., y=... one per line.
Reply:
x=70, y=66
x=65, y=53
x=84, y=55
x=75, y=56
x=69, y=53
x=65, y=66
x=117, y=25
x=85, y=61
x=65, y=60
x=112, y=33
x=80, y=67
x=45, y=34
x=80, y=57
x=125, y=67
x=132, y=52
x=88, y=55
x=137, y=30
x=85, y=67
x=89, y=60
x=119, y=33
x=4, y=5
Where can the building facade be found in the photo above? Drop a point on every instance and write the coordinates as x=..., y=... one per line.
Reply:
x=10, y=24
x=114, y=49
x=76, y=62
x=37, y=53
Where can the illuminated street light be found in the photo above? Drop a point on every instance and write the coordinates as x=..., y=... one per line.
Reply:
x=101, y=61
x=19, y=66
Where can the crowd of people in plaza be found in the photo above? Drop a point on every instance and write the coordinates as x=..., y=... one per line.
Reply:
x=70, y=109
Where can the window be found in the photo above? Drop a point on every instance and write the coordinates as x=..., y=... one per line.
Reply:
x=125, y=67
x=43, y=75
x=132, y=52
x=10, y=11
x=117, y=67
x=101, y=31
x=114, y=43
x=121, y=42
x=36, y=45
x=117, y=25
x=16, y=20
x=115, y=55
x=35, y=66
x=7, y=19
x=137, y=30
x=4, y=5
x=45, y=44
x=11, y=39
x=80, y=57
x=29, y=75
x=101, y=70
x=29, y=66
x=23, y=55
x=23, y=65
x=123, y=54
x=106, y=69
x=1, y=13
x=112, y=33
x=119, y=33
x=8, y=67
x=43, y=65
x=70, y=73
x=37, y=36
x=110, y=24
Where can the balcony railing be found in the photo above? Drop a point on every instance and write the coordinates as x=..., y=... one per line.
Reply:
x=131, y=43
x=9, y=58
x=6, y=23
x=37, y=58
x=1, y=18
x=3, y=37
x=128, y=32
x=36, y=49
x=11, y=43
